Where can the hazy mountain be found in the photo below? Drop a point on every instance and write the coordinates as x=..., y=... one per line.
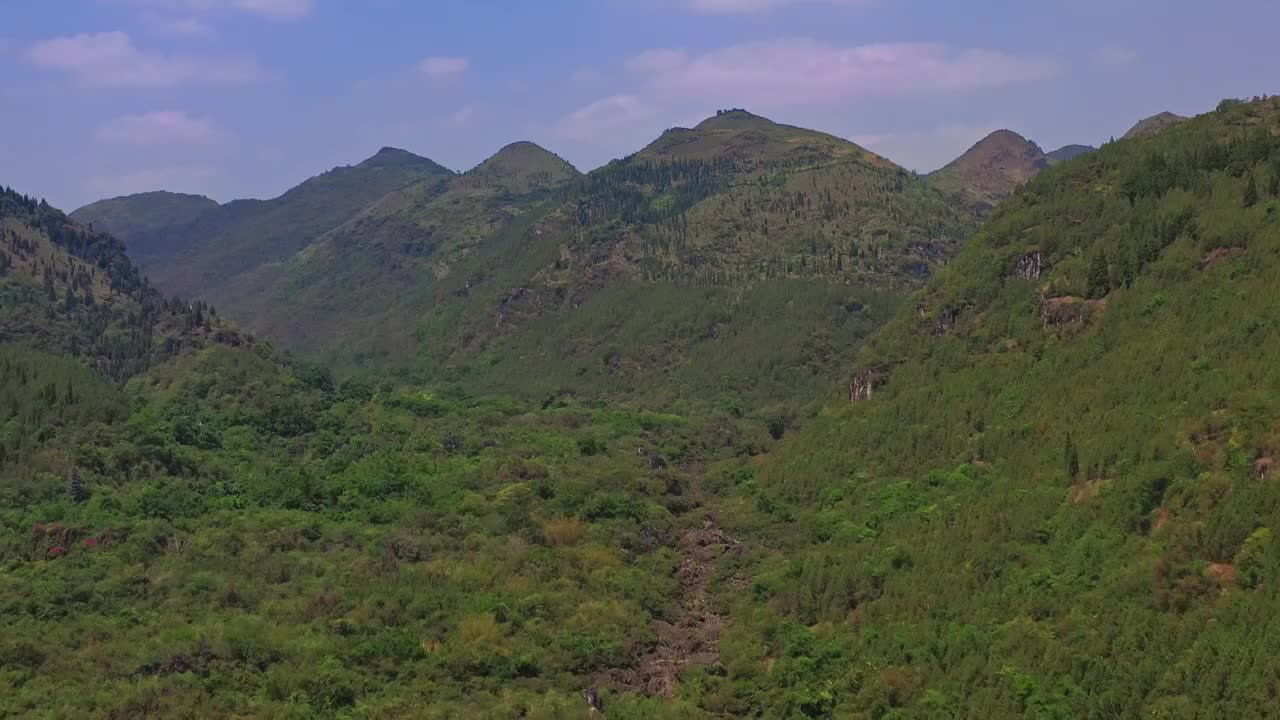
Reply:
x=1068, y=152
x=1153, y=125
x=140, y=219
x=992, y=169
x=196, y=256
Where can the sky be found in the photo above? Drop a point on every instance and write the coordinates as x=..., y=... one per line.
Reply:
x=246, y=98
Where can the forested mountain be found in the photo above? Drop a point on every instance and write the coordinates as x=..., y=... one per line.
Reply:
x=369, y=281
x=1052, y=494
x=992, y=169
x=192, y=527
x=72, y=291
x=664, y=271
x=1067, y=152
x=144, y=220
x=1047, y=491
x=738, y=257
x=200, y=255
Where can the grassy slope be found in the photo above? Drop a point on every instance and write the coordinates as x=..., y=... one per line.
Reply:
x=1044, y=512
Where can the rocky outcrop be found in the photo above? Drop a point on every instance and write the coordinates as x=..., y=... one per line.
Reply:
x=1029, y=266
x=945, y=321
x=864, y=384
x=1069, y=310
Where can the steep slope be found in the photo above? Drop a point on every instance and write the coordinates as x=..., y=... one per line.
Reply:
x=286, y=546
x=741, y=255
x=1062, y=449
x=141, y=219
x=992, y=169
x=69, y=290
x=1152, y=125
x=1068, y=152
x=200, y=257
x=361, y=286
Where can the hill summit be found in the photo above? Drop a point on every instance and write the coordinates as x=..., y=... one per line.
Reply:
x=992, y=169
x=1152, y=125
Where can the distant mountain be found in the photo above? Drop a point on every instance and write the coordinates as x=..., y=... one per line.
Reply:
x=361, y=280
x=69, y=290
x=1068, y=152
x=1153, y=125
x=741, y=256
x=140, y=218
x=714, y=252
x=198, y=255
x=992, y=169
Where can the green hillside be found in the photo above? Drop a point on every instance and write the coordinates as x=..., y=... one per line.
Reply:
x=740, y=257
x=1046, y=491
x=201, y=255
x=356, y=295
x=143, y=220
x=1052, y=494
x=200, y=529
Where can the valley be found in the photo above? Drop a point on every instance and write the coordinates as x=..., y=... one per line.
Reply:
x=751, y=421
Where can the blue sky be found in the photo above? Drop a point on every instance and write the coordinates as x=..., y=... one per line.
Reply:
x=245, y=98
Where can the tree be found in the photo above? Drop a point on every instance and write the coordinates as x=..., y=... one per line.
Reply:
x=1071, y=458
x=1099, y=279
x=76, y=489
x=1251, y=192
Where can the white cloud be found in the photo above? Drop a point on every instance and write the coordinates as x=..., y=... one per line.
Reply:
x=602, y=121
x=461, y=117
x=188, y=27
x=165, y=127
x=734, y=7
x=1114, y=56
x=925, y=150
x=443, y=68
x=789, y=71
x=110, y=59
x=184, y=178
x=275, y=9
x=657, y=61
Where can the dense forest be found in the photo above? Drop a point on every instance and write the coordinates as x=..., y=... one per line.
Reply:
x=1045, y=488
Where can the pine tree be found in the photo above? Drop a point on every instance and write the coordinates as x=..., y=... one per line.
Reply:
x=1071, y=457
x=1099, y=280
x=76, y=489
x=1251, y=192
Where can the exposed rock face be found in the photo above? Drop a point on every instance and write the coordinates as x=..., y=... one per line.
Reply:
x=1069, y=310
x=1030, y=266
x=864, y=384
x=946, y=320
x=694, y=636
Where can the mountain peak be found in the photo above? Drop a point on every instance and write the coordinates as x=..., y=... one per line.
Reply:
x=523, y=166
x=390, y=157
x=993, y=168
x=1154, y=124
x=1067, y=152
x=733, y=119
x=755, y=141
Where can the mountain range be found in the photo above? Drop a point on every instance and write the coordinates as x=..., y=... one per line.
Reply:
x=750, y=423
